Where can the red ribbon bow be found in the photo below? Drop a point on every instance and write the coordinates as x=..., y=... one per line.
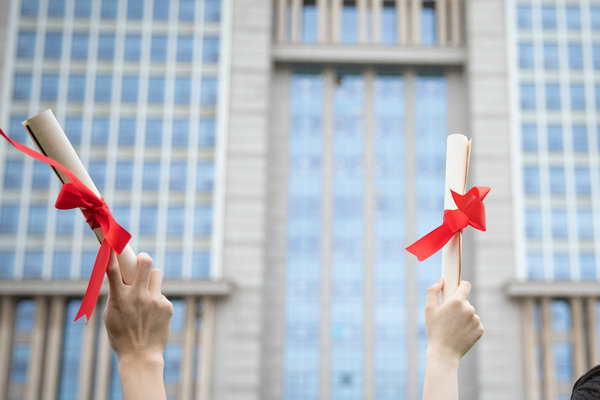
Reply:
x=97, y=214
x=471, y=211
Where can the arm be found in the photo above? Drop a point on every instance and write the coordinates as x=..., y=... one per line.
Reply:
x=452, y=329
x=137, y=319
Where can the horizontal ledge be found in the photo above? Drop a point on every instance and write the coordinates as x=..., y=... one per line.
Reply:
x=552, y=289
x=32, y=287
x=368, y=54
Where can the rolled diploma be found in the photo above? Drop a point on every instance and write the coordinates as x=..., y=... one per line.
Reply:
x=50, y=138
x=458, y=149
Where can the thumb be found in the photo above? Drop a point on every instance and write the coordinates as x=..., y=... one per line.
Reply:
x=433, y=294
x=115, y=281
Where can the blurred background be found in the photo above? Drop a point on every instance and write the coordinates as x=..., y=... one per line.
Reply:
x=275, y=157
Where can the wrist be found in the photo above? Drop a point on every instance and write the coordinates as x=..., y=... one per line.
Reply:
x=446, y=358
x=141, y=363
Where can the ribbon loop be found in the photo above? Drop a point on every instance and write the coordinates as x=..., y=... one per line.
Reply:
x=76, y=194
x=470, y=211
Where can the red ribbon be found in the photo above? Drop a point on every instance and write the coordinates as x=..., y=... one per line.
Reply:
x=471, y=211
x=97, y=214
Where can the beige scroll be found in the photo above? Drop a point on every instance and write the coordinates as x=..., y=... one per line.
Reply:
x=52, y=141
x=457, y=165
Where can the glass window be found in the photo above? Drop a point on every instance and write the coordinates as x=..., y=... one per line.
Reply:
x=212, y=10
x=428, y=23
x=71, y=352
x=73, y=128
x=557, y=180
x=585, y=223
x=16, y=130
x=19, y=362
x=309, y=21
x=154, y=132
x=559, y=223
x=106, y=46
x=161, y=10
x=29, y=7
x=173, y=266
x=210, y=49
x=550, y=56
x=129, y=89
x=158, y=51
x=183, y=87
x=122, y=214
x=595, y=17
x=100, y=130
x=61, y=264
x=185, y=48
x=13, y=173
x=79, y=46
x=41, y=175
x=580, y=143
x=552, y=96
x=109, y=9
x=83, y=8
x=53, y=45
x=176, y=220
x=156, y=89
x=575, y=56
x=64, y=222
x=34, y=260
x=37, y=218
x=531, y=180
x=56, y=8
x=208, y=91
x=103, y=88
x=127, y=131
x=148, y=215
x=7, y=263
x=22, y=86
x=97, y=171
x=151, y=178
x=177, y=176
x=527, y=96
x=562, y=269
x=26, y=44
x=200, y=264
x=9, y=218
x=587, y=266
x=25, y=318
x=524, y=16
x=186, y=10
x=555, y=140
x=207, y=132
x=76, y=88
x=181, y=132
x=582, y=181
x=529, y=137
x=526, y=55
x=203, y=220
x=577, y=96
x=49, y=87
x=205, y=176
x=88, y=257
x=124, y=174
x=349, y=22
x=133, y=47
x=388, y=22
x=533, y=223
x=535, y=266
x=573, y=17
x=596, y=55
x=548, y=17
x=135, y=9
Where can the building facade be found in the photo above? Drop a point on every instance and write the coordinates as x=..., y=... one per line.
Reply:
x=275, y=158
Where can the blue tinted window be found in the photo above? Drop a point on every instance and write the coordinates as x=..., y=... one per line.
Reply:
x=153, y=131
x=208, y=91
x=559, y=223
x=19, y=362
x=552, y=96
x=100, y=130
x=173, y=267
x=127, y=131
x=151, y=177
x=79, y=46
x=201, y=264
x=580, y=143
x=106, y=46
x=529, y=137
x=531, y=180
x=535, y=266
x=596, y=55
x=527, y=96
x=561, y=266
x=156, y=89
x=41, y=175
x=309, y=21
x=183, y=86
x=204, y=177
x=212, y=10
x=37, y=218
x=148, y=215
x=575, y=56
x=388, y=23
x=203, y=220
x=53, y=45
x=83, y=8
x=135, y=9
x=210, y=49
x=158, y=51
x=49, y=87
x=185, y=48
x=207, y=132
x=64, y=222
x=25, y=318
x=97, y=171
x=161, y=9
x=526, y=55
x=9, y=218
x=181, y=131
x=176, y=220
x=122, y=214
x=548, y=17
x=133, y=47
x=550, y=56
x=103, y=88
x=177, y=176
x=61, y=264
x=349, y=22
x=533, y=223
x=557, y=180
x=129, y=89
x=186, y=10
x=428, y=23
x=595, y=17
x=16, y=130
x=577, y=96
x=29, y=7
x=109, y=9
x=13, y=173
x=71, y=352
x=88, y=257
x=56, y=8
x=573, y=17
x=73, y=127
x=7, y=263
x=26, y=44
x=587, y=266
x=524, y=16
x=582, y=180
x=124, y=174
x=76, y=88
x=22, y=86
x=585, y=223
x=34, y=260
x=555, y=140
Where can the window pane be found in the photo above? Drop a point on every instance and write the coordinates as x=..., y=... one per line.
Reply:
x=37, y=219
x=106, y=46
x=428, y=24
x=201, y=264
x=388, y=23
x=212, y=10
x=309, y=21
x=185, y=48
x=127, y=131
x=159, y=48
x=181, y=131
x=524, y=16
x=555, y=140
x=135, y=9
x=22, y=86
x=177, y=175
x=176, y=220
x=156, y=89
x=527, y=96
x=76, y=88
x=210, y=49
x=529, y=137
x=133, y=47
x=79, y=46
x=29, y=7
x=183, y=87
x=161, y=9
x=83, y=8
x=208, y=94
x=557, y=180
x=550, y=56
x=53, y=45
x=34, y=260
x=49, y=87
x=9, y=218
x=186, y=10
x=7, y=263
x=61, y=264
x=26, y=44
x=526, y=55
x=148, y=220
x=13, y=173
x=100, y=130
x=129, y=89
x=103, y=88
x=151, y=177
x=124, y=174
x=109, y=9
x=549, y=17
x=349, y=23
x=207, y=132
x=153, y=132
x=580, y=142
x=531, y=180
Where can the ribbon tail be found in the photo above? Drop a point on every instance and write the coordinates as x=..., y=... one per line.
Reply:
x=93, y=289
x=431, y=243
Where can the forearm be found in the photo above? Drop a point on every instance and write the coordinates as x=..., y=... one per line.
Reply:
x=142, y=379
x=441, y=377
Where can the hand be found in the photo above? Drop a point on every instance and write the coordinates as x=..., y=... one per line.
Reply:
x=452, y=327
x=137, y=316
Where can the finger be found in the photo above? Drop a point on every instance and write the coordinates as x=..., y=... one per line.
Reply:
x=433, y=294
x=142, y=271
x=115, y=281
x=463, y=290
x=155, y=282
